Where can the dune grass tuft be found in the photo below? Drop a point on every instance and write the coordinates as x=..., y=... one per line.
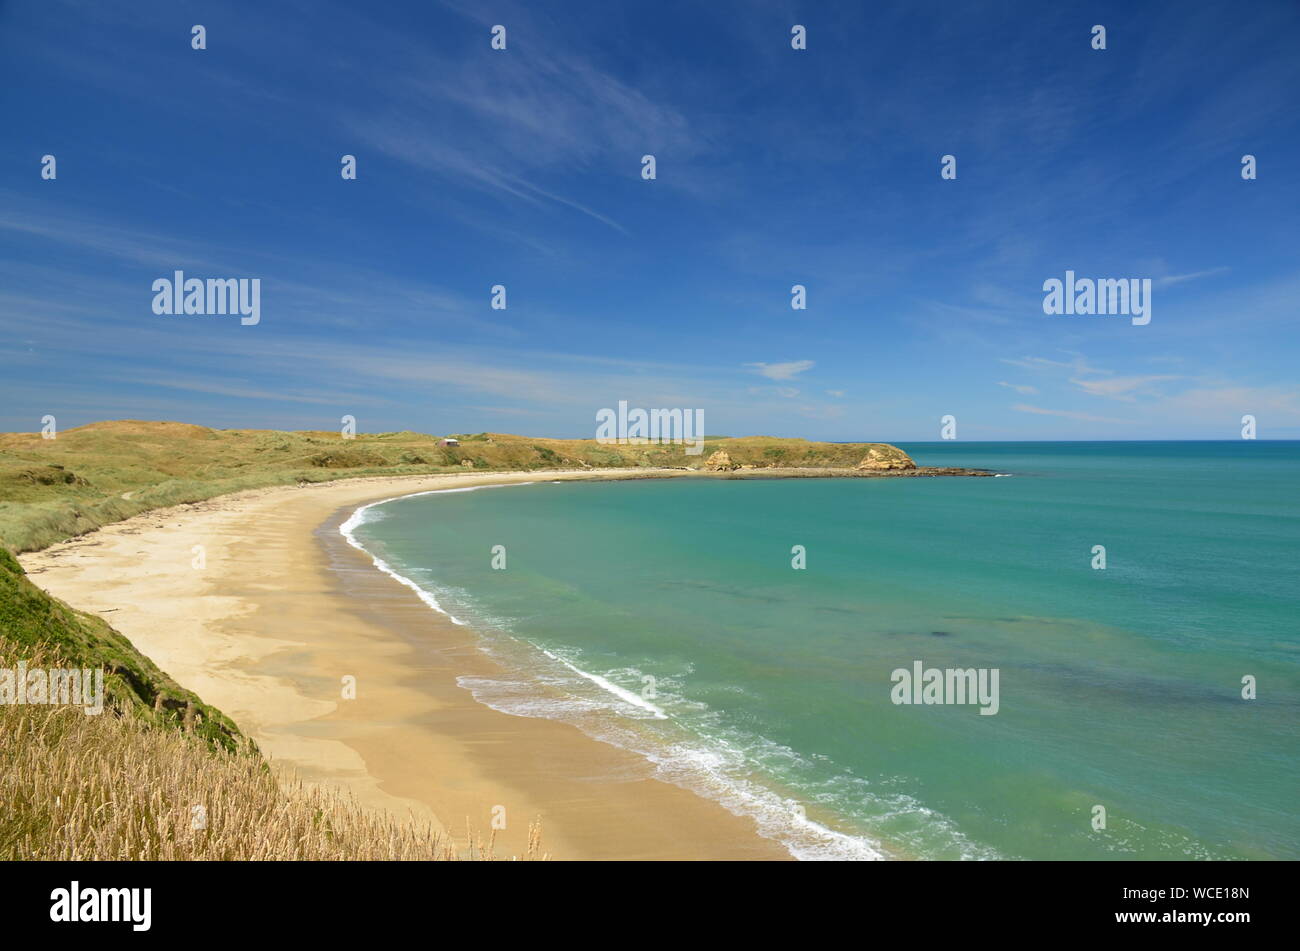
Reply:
x=115, y=787
x=159, y=774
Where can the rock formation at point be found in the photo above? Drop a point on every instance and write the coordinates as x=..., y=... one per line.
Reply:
x=886, y=457
x=720, y=462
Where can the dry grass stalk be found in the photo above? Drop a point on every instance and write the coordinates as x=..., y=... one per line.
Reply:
x=78, y=787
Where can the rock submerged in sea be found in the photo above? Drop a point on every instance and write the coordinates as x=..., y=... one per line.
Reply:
x=720, y=462
x=886, y=457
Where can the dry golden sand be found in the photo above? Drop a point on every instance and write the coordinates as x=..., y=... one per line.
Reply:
x=284, y=608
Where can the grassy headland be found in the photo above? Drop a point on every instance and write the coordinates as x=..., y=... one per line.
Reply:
x=51, y=490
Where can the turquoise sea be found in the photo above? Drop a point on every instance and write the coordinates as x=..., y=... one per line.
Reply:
x=665, y=616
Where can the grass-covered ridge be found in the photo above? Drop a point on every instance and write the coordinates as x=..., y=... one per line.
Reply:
x=113, y=787
x=51, y=490
x=159, y=774
x=32, y=622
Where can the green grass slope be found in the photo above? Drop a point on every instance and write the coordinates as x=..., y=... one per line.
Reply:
x=34, y=623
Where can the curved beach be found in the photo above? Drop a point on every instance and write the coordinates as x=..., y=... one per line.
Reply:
x=283, y=609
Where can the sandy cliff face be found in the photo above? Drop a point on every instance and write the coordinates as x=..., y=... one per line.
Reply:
x=886, y=457
x=720, y=462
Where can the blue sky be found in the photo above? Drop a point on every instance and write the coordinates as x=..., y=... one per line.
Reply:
x=775, y=167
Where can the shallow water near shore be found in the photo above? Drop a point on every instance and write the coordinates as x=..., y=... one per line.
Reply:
x=664, y=616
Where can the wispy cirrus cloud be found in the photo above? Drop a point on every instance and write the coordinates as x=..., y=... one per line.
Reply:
x=543, y=111
x=1171, y=279
x=423, y=151
x=782, y=371
x=1066, y=414
x=1079, y=365
x=1122, y=387
x=1272, y=404
x=1022, y=388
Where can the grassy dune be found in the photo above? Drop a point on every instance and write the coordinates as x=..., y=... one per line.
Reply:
x=54, y=489
x=112, y=786
x=159, y=774
x=31, y=621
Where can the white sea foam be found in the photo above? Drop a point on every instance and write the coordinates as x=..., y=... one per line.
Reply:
x=714, y=763
x=713, y=766
x=360, y=517
x=627, y=696
x=710, y=768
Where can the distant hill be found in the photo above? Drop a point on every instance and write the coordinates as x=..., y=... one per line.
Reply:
x=103, y=472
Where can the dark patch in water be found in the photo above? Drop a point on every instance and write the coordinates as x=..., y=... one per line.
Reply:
x=733, y=591
x=941, y=633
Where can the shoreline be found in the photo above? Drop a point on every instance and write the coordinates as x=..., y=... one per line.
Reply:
x=683, y=760
x=285, y=608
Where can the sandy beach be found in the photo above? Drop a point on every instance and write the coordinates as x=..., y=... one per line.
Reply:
x=282, y=609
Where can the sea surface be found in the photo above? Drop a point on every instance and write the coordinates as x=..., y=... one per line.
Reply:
x=666, y=616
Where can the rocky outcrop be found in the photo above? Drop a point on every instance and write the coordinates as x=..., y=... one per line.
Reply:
x=886, y=457
x=720, y=462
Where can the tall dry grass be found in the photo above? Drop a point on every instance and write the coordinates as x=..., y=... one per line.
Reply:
x=112, y=787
